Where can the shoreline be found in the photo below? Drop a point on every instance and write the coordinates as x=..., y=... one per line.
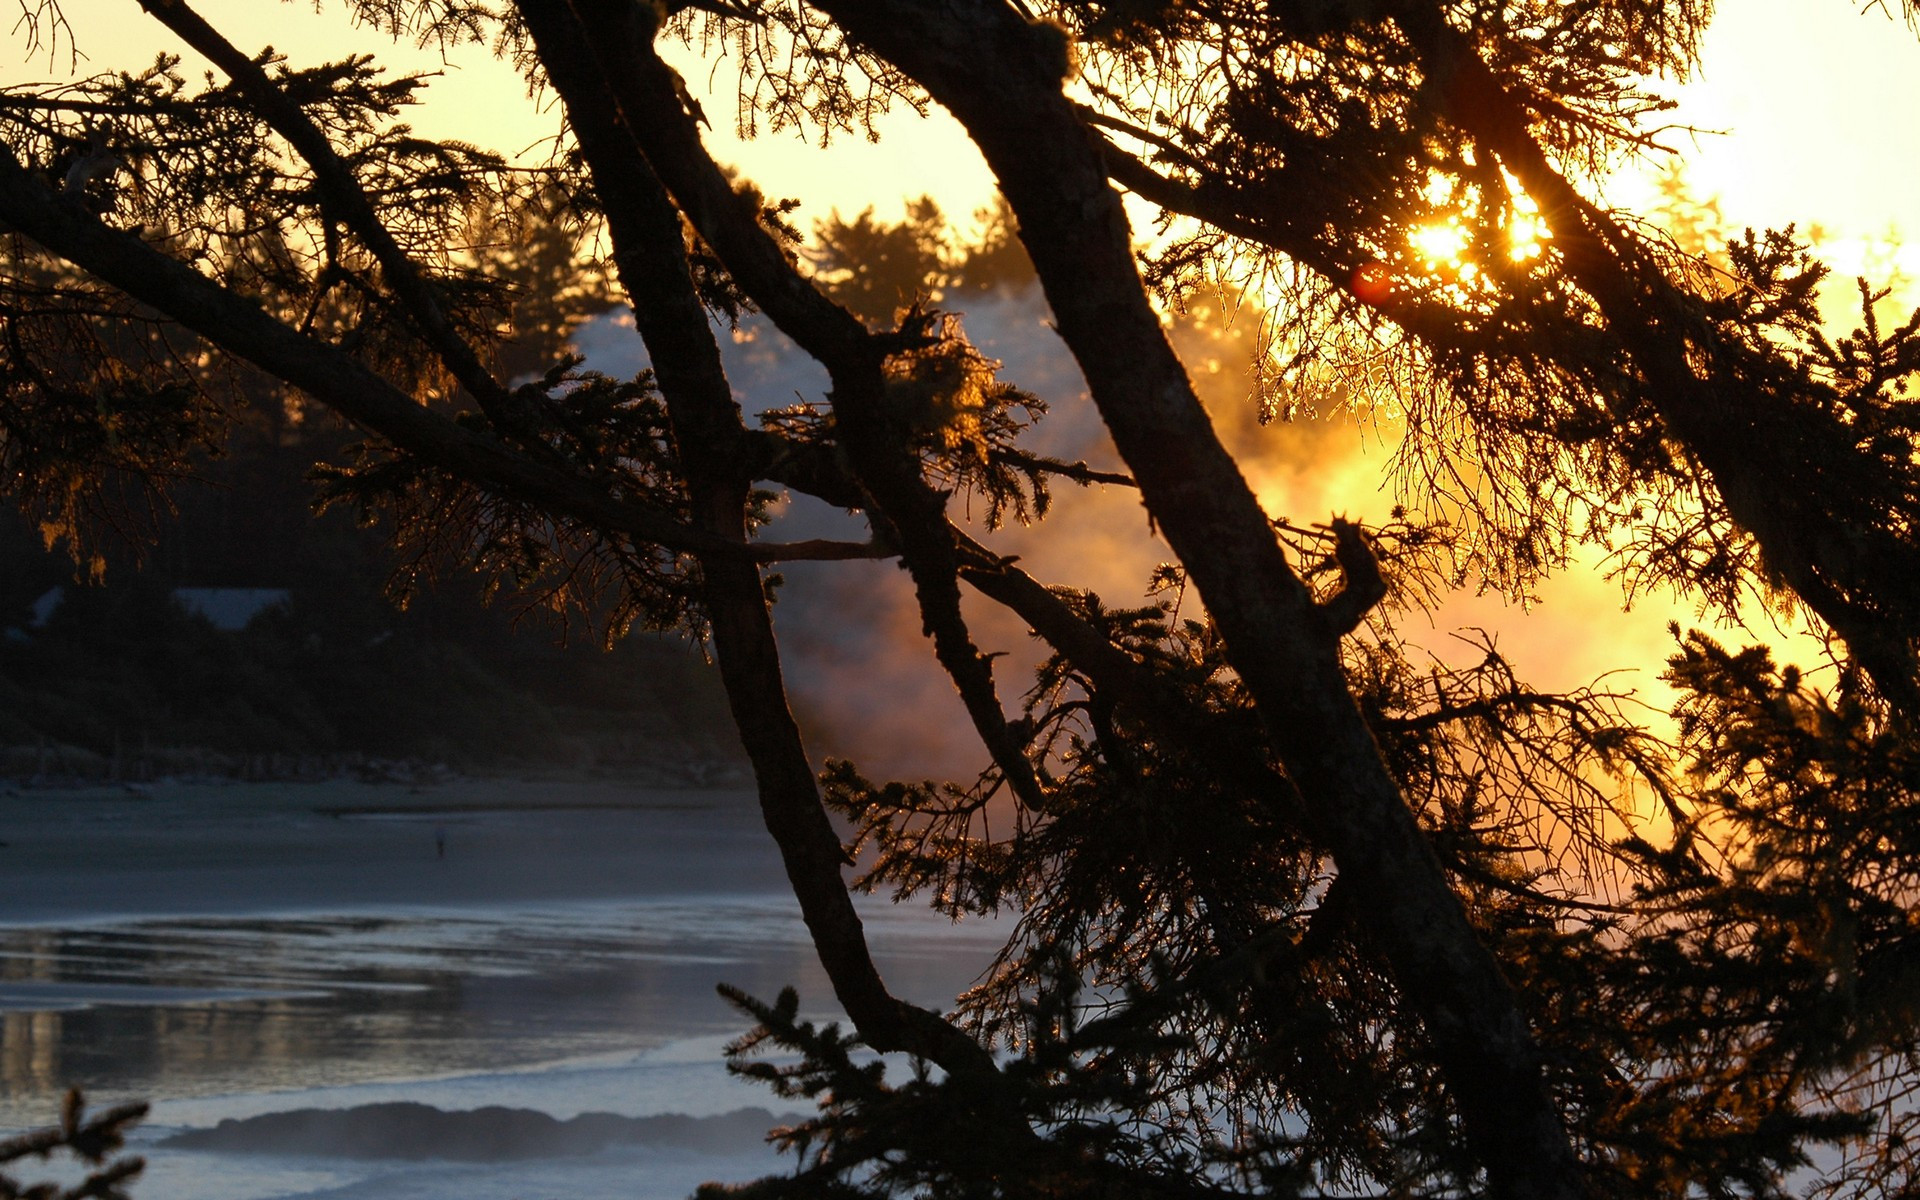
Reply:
x=275, y=768
x=179, y=849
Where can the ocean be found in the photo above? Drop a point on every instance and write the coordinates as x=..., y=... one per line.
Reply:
x=413, y=992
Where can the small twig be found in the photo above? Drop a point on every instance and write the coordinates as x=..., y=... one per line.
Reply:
x=1080, y=472
x=1093, y=116
x=818, y=550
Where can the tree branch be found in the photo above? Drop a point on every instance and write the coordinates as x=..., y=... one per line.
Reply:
x=1002, y=79
x=885, y=467
x=321, y=370
x=818, y=550
x=345, y=199
x=1663, y=331
x=1137, y=693
x=1364, y=586
x=1094, y=116
x=1079, y=472
x=651, y=255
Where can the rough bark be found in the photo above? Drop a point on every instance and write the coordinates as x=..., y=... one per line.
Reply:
x=999, y=78
x=650, y=253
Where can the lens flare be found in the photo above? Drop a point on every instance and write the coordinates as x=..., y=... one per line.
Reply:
x=1375, y=284
x=1527, y=235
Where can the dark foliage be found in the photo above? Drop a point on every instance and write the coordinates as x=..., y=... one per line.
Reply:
x=93, y=1142
x=1296, y=912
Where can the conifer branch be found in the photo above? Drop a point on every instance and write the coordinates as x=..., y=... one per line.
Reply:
x=346, y=201
x=652, y=256
x=323, y=371
x=94, y=1141
x=887, y=470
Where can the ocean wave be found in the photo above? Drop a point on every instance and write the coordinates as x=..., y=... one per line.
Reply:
x=407, y=1130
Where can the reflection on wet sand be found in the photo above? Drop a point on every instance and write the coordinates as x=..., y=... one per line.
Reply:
x=234, y=951
x=30, y=1056
x=198, y=1007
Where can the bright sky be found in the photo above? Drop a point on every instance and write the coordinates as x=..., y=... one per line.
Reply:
x=1817, y=100
x=482, y=100
x=1818, y=104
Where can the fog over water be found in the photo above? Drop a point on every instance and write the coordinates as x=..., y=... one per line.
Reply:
x=232, y=952
x=863, y=678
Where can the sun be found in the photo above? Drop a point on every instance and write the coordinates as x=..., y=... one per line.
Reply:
x=1526, y=230
x=1456, y=248
x=1442, y=245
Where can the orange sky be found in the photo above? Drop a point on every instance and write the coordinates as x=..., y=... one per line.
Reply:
x=1816, y=98
x=1816, y=101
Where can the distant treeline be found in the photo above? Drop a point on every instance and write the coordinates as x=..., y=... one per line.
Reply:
x=121, y=682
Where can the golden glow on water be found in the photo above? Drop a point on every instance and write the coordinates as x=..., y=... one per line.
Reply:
x=30, y=1053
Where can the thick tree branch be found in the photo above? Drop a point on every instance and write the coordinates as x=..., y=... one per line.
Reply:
x=643, y=87
x=1363, y=585
x=328, y=374
x=1263, y=219
x=818, y=550
x=651, y=256
x=809, y=467
x=885, y=466
x=1001, y=78
x=1662, y=330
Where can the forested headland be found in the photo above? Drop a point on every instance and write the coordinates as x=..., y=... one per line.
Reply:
x=359, y=671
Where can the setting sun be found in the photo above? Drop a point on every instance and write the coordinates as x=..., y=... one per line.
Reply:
x=1442, y=244
x=1526, y=230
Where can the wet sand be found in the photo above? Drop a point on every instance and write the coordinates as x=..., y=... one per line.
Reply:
x=235, y=950
x=183, y=850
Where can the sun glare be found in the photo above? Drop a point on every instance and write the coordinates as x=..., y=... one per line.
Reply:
x=1527, y=233
x=1526, y=237
x=1452, y=251
x=1442, y=244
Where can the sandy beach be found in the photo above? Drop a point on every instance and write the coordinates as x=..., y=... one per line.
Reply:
x=547, y=950
x=205, y=849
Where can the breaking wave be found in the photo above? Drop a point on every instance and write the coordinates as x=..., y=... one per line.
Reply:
x=404, y=1130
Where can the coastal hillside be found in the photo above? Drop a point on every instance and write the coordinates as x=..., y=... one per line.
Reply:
x=318, y=670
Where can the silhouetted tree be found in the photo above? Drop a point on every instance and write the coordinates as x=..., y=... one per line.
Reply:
x=875, y=270
x=1297, y=915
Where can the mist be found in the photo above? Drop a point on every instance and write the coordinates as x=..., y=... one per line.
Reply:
x=863, y=678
